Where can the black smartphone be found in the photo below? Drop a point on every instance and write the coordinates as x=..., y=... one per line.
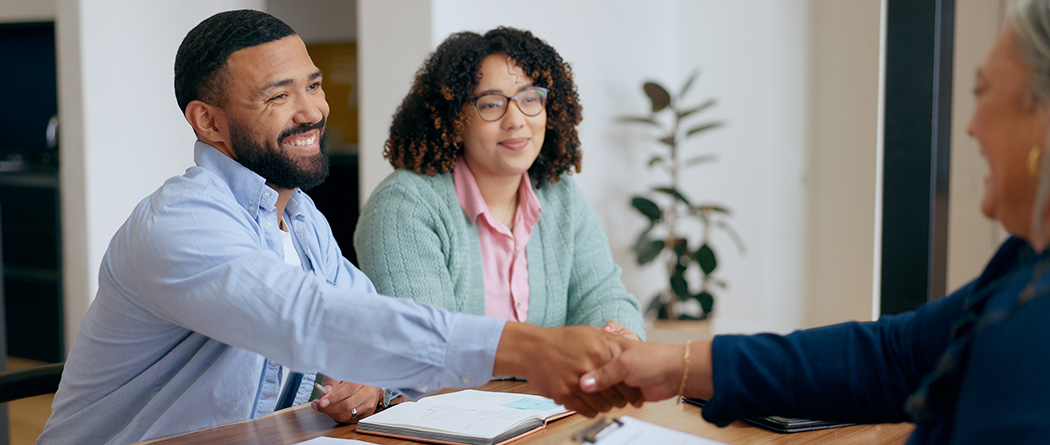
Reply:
x=778, y=423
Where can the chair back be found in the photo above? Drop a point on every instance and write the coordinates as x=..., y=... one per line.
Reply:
x=29, y=382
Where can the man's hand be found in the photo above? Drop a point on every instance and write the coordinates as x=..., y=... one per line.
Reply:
x=656, y=369
x=552, y=360
x=613, y=327
x=344, y=398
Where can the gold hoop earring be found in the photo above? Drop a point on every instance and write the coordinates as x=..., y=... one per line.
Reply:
x=1033, y=161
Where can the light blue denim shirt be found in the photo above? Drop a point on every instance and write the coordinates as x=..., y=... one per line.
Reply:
x=196, y=309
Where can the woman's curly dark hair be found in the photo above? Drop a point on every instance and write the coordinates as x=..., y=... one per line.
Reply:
x=424, y=136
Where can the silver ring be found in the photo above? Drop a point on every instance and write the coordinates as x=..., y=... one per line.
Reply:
x=353, y=413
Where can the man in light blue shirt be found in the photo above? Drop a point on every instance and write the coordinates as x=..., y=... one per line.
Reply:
x=227, y=278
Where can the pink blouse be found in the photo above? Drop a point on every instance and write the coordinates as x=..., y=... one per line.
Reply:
x=503, y=262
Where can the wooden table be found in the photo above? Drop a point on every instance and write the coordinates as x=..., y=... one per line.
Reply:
x=300, y=423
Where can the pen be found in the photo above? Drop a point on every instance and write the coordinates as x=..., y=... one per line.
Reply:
x=353, y=412
x=320, y=388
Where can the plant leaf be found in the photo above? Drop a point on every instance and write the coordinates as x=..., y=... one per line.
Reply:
x=674, y=193
x=657, y=159
x=706, y=300
x=680, y=286
x=638, y=120
x=649, y=251
x=669, y=141
x=703, y=127
x=654, y=304
x=647, y=207
x=710, y=103
x=658, y=306
x=643, y=237
x=699, y=159
x=705, y=257
x=732, y=234
x=688, y=83
x=657, y=95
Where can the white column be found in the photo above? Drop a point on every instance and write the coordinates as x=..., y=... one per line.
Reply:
x=393, y=39
x=122, y=131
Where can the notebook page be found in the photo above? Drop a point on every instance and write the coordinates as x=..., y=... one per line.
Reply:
x=468, y=412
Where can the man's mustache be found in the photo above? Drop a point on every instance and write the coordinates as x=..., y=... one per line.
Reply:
x=301, y=128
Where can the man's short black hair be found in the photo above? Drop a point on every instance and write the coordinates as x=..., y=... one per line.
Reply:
x=201, y=60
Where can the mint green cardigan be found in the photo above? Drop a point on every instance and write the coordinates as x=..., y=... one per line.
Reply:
x=414, y=241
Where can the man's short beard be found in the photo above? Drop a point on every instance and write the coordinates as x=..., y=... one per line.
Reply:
x=275, y=165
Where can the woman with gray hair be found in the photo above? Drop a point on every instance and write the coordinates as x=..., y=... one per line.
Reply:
x=973, y=366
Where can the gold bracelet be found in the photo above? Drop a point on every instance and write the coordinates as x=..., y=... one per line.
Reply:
x=685, y=372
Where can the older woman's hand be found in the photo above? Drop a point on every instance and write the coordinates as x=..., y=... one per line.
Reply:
x=657, y=369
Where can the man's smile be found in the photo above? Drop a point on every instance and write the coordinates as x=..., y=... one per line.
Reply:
x=301, y=140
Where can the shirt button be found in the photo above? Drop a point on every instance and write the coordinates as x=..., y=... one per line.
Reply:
x=518, y=305
x=266, y=194
x=251, y=208
x=267, y=224
x=465, y=379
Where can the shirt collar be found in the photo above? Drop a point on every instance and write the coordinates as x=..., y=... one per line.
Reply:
x=473, y=203
x=529, y=207
x=247, y=187
x=467, y=191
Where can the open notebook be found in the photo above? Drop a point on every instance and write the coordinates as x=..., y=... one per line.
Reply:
x=465, y=417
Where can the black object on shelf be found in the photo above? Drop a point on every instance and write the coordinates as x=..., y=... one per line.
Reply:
x=28, y=131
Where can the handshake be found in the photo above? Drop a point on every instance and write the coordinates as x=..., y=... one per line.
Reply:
x=592, y=370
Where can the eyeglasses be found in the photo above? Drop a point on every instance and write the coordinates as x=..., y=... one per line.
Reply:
x=531, y=101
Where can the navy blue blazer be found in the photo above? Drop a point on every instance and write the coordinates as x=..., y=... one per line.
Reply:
x=971, y=367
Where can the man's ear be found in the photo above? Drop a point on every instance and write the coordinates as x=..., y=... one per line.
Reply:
x=206, y=121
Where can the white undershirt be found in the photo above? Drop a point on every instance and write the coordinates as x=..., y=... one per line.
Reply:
x=292, y=258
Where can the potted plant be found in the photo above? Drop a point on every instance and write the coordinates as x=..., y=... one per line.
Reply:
x=680, y=228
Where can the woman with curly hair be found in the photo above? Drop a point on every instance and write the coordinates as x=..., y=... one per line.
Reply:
x=481, y=215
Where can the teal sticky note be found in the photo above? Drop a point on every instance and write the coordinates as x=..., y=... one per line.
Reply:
x=536, y=404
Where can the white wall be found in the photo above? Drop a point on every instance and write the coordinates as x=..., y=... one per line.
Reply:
x=797, y=83
x=123, y=133
x=972, y=238
x=393, y=38
x=753, y=60
x=843, y=176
